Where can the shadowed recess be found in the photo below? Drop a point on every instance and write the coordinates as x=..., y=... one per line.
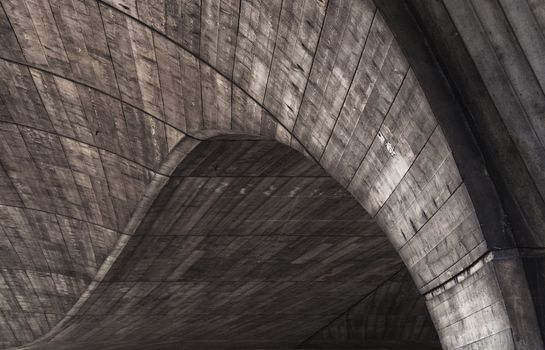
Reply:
x=248, y=245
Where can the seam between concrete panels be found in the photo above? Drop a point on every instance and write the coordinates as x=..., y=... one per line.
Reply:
x=12, y=185
x=39, y=170
x=99, y=150
x=201, y=87
x=63, y=239
x=33, y=291
x=378, y=129
x=409, y=170
x=261, y=235
x=81, y=83
x=160, y=85
x=461, y=276
x=426, y=288
x=450, y=298
x=17, y=341
x=85, y=143
x=17, y=254
x=353, y=305
x=14, y=334
x=83, y=278
x=413, y=202
x=461, y=320
x=351, y=82
x=235, y=281
x=270, y=64
x=459, y=222
x=14, y=33
x=115, y=73
x=62, y=215
x=516, y=325
x=328, y=80
x=67, y=161
x=200, y=24
x=489, y=336
x=30, y=313
x=236, y=39
x=108, y=187
x=60, y=37
x=121, y=99
x=234, y=55
x=433, y=215
x=250, y=176
x=308, y=77
x=374, y=86
x=68, y=249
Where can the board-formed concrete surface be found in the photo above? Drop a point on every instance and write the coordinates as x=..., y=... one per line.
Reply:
x=101, y=101
x=246, y=240
x=492, y=51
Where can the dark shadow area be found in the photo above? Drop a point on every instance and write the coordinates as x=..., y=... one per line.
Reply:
x=393, y=316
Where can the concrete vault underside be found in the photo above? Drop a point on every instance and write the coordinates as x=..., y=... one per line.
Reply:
x=270, y=174
x=251, y=245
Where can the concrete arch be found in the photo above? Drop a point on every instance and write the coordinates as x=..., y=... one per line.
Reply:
x=367, y=258
x=118, y=86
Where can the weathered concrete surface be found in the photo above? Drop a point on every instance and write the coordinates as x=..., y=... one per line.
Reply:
x=94, y=97
x=246, y=239
x=489, y=52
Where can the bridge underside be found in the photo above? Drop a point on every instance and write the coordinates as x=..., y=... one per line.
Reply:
x=274, y=173
x=251, y=245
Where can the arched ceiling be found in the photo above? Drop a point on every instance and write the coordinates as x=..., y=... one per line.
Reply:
x=101, y=99
x=250, y=245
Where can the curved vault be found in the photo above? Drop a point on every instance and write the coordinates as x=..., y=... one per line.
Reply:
x=96, y=95
x=249, y=245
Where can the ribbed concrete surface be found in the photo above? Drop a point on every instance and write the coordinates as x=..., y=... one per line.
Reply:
x=97, y=95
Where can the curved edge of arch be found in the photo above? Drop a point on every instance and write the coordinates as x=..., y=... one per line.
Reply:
x=178, y=153
x=502, y=259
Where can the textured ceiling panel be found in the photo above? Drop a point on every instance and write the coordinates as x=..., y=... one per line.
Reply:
x=96, y=95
